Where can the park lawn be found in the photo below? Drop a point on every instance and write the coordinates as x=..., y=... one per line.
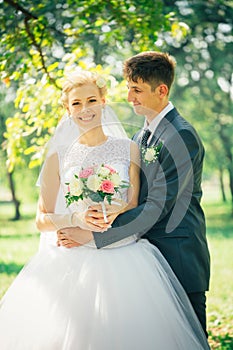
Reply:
x=19, y=241
x=220, y=296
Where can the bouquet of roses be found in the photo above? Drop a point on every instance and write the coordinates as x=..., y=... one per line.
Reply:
x=95, y=183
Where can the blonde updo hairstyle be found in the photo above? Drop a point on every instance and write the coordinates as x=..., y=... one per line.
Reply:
x=78, y=79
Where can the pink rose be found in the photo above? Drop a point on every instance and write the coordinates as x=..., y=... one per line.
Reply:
x=85, y=173
x=112, y=170
x=107, y=186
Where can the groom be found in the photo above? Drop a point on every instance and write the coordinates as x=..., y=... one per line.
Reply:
x=169, y=214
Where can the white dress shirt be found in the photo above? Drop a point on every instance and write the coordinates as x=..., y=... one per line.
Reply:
x=155, y=122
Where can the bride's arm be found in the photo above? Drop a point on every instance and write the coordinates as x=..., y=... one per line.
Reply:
x=46, y=219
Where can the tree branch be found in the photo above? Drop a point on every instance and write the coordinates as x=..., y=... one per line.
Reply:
x=39, y=49
x=29, y=15
x=20, y=8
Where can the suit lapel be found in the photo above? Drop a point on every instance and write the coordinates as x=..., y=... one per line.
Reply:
x=155, y=137
x=158, y=132
x=168, y=118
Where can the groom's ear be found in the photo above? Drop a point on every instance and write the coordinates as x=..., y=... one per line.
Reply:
x=162, y=90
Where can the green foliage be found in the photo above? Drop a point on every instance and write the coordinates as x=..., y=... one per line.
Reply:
x=55, y=28
x=42, y=40
x=204, y=78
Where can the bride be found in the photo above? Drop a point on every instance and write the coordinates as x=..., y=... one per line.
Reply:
x=122, y=297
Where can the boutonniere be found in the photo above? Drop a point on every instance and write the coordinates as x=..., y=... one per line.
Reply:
x=150, y=154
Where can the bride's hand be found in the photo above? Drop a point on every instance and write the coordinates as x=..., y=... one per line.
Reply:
x=95, y=213
x=79, y=219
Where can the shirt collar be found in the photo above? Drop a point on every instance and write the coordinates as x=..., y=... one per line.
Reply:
x=155, y=122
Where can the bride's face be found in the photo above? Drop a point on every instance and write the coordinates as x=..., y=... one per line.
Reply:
x=85, y=105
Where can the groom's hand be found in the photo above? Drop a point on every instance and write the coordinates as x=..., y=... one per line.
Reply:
x=73, y=237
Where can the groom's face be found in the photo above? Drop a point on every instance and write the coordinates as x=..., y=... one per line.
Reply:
x=145, y=101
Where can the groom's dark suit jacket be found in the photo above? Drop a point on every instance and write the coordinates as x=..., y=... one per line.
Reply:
x=169, y=214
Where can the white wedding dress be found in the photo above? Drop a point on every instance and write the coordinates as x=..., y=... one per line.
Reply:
x=122, y=297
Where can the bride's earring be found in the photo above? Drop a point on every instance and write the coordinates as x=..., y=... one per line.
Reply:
x=103, y=114
x=68, y=116
x=70, y=119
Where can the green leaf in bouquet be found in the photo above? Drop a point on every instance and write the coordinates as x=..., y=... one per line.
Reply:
x=96, y=197
x=109, y=198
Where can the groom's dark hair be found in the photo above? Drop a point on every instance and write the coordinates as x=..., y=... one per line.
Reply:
x=151, y=67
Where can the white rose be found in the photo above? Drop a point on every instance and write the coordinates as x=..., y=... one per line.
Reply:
x=93, y=183
x=102, y=171
x=76, y=187
x=115, y=178
x=150, y=154
x=100, y=82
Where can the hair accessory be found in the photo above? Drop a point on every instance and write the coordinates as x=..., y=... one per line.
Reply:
x=101, y=82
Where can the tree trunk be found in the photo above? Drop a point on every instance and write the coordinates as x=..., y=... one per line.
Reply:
x=230, y=171
x=224, y=199
x=15, y=201
x=226, y=142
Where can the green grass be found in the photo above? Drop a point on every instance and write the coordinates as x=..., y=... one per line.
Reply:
x=19, y=241
x=220, y=296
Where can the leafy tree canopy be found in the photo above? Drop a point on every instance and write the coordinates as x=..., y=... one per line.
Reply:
x=42, y=40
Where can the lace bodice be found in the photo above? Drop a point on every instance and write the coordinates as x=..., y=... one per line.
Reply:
x=114, y=152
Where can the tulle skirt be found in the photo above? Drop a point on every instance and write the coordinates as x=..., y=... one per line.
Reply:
x=124, y=298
